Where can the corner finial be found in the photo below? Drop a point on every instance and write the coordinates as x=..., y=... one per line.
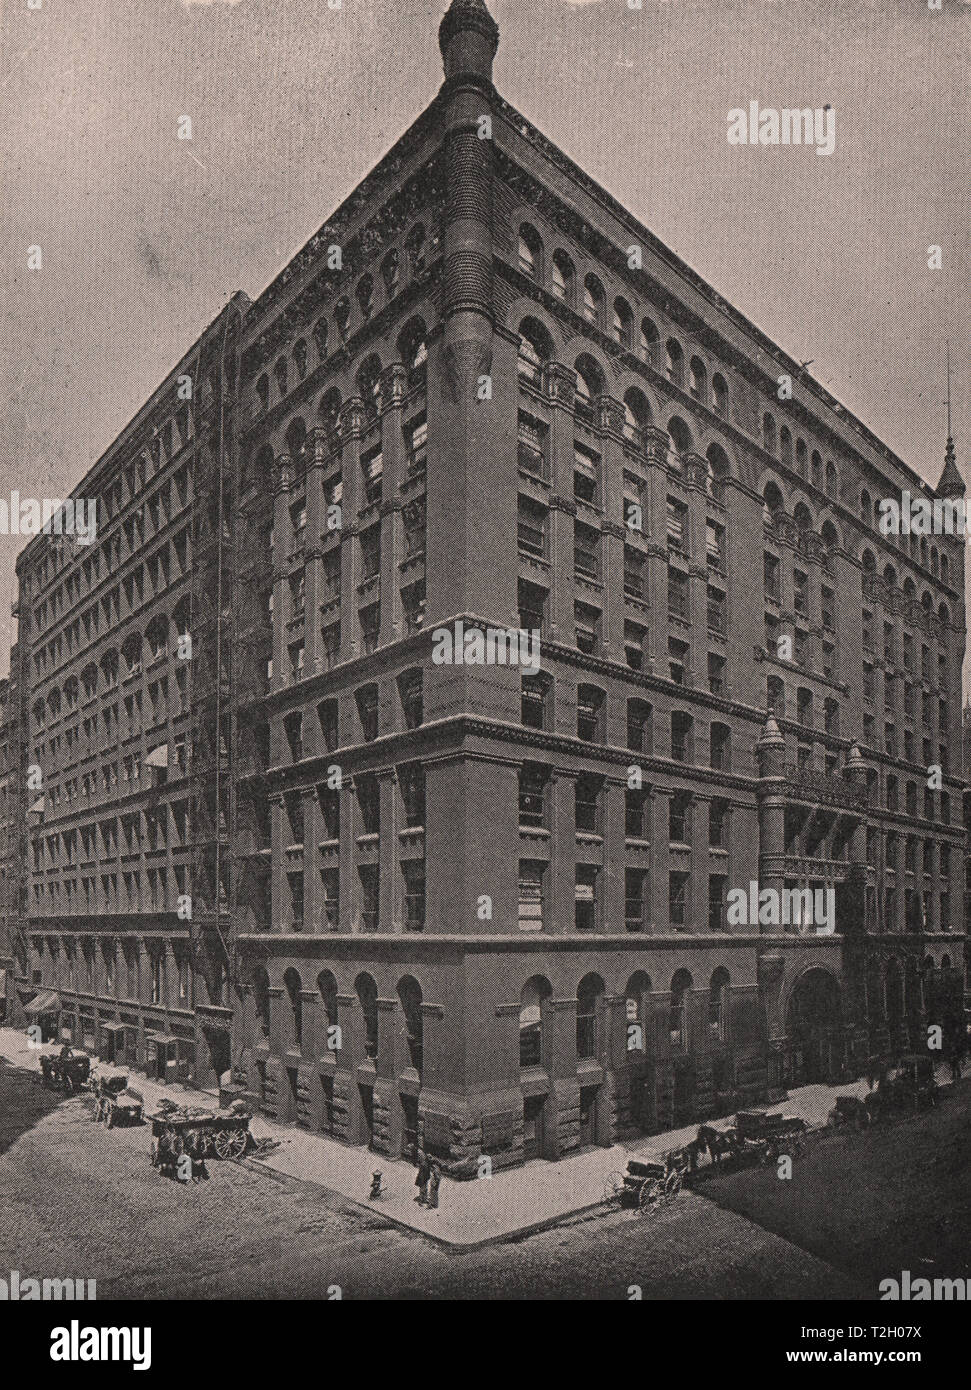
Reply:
x=468, y=37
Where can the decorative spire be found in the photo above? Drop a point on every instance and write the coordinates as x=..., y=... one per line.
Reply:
x=951, y=484
x=468, y=37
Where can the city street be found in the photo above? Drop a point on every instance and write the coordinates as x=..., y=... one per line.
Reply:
x=83, y=1201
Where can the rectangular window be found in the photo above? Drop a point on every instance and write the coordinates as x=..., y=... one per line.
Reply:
x=586, y=897
x=677, y=593
x=634, y=899
x=716, y=902
x=770, y=576
x=531, y=895
x=677, y=899
x=677, y=526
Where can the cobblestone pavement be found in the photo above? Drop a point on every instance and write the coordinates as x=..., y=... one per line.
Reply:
x=81, y=1200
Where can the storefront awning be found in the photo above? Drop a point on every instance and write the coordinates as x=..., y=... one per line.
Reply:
x=159, y=757
x=113, y=1027
x=47, y=1002
x=160, y=1039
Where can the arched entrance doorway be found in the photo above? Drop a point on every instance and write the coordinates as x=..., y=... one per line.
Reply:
x=813, y=1029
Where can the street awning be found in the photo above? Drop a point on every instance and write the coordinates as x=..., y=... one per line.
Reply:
x=160, y=1039
x=47, y=1002
x=113, y=1027
x=159, y=757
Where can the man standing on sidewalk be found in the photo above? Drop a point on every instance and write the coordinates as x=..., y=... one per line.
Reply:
x=434, y=1183
x=421, y=1178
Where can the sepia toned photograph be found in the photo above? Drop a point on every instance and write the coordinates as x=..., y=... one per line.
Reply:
x=482, y=631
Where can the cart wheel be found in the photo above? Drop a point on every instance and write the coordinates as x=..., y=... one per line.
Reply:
x=649, y=1195
x=613, y=1187
x=221, y=1142
x=240, y=1142
x=672, y=1185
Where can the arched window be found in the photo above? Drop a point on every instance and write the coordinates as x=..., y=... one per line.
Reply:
x=832, y=482
x=109, y=669
x=768, y=433
x=785, y=446
x=802, y=517
x=564, y=277
x=415, y=248
x=772, y=498
x=945, y=570
x=935, y=561
x=409, y=995
x=637, y=415
x=329, y=410
x=590, y=385
x=157, y=636
x=649, y=349
x=678, y=1010
x=293, y=987
x=720, y=740
x=131, y=652
x=680, y=436
x=590, y=992
x=39, y=709
x=89, y=681
x=300, y=358
x=72, y=691
x=413, y=351
x=718, y=1005
x=260, y=983
x=391, y=272
x=637, y=1011
x=280, y=372
x=369, y=385
x=944, y=613
x=535, y=349
x=535, y=993
x=830, y=536
x=263, y=392
x=342, y=315
x=364, y=293
x=866, y=508
x=623, y=324
x=802, y=458
x=367, y=996
x=718, y=472
x=675, y=362
x=296, y=442
x=890, y=575
x=699, y=380
x=593, y=301
x=530, y=252
x=719, y=395
x=327, y=989
x=320, y=338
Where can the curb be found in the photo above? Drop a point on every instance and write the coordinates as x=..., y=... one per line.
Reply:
x=450, y=1246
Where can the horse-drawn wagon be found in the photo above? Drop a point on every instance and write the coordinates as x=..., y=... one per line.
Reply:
x=199, y=1134
x=66, y=1071
x=115, y=1101
x=755, y=1134
x=648, y=1182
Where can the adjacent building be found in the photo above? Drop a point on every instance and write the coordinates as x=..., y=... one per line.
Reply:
x=283, y=831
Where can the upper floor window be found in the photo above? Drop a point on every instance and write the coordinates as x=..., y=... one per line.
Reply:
x=530, y=252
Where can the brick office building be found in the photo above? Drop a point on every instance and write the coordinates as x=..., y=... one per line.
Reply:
x=447, y=903
x=114, y=777
x=520, y=952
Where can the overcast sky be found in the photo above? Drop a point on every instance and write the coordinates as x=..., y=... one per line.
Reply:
x=144, y=237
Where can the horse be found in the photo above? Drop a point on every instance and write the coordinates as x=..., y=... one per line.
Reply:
x=716, y=1141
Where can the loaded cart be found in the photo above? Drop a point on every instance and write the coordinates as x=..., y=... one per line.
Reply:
x=66, y=1073
x=198, y=1133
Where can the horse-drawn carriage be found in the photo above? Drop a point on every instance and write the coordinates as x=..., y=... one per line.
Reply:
x=755, y=1134
x=907, y=1086
x=65, y=1070
x=198, y=1133
x=116, y=1102
x=648, y=1182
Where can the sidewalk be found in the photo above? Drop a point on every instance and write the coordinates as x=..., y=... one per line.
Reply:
x=471, y=1214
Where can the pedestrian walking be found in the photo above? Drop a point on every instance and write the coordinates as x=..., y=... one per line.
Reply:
x=421, y=1178
x=434, y=1183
